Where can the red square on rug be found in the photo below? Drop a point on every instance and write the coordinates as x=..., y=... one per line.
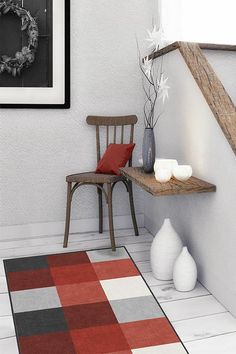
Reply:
x=72, y=274
x=115, y=269
x=58, y=260
x=150, y=332
x=101, y=339
x=83, y=293
x=89, y=315
x=30, y=279
x=51, y=343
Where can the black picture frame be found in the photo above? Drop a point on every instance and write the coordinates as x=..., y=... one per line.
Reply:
x=67, y=96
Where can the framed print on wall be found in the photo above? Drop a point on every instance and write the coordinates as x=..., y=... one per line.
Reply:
x=34, y=53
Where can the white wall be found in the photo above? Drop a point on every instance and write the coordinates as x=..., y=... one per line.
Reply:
x=202, y=21
x=189, y=132
x=39, y=148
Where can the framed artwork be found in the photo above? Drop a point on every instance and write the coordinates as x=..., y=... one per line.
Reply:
x=34, y=53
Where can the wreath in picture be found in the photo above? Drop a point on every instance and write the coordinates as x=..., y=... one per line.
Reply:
x=25, y=57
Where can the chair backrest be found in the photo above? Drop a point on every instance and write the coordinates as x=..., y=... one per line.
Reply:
x=118, y=124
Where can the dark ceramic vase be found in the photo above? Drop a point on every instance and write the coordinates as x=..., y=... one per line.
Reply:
x=149, y=150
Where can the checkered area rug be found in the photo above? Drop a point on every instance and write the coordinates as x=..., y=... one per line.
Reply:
x=90, y=302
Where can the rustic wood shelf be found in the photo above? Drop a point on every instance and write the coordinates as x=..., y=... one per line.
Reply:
x=148, y=182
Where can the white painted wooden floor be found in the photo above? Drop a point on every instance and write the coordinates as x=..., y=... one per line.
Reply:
x=201, y=321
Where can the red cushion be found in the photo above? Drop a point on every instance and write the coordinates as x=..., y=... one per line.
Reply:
x=115, y=156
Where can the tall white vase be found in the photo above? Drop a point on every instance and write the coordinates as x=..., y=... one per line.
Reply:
x=185, y=271
x=165, y=248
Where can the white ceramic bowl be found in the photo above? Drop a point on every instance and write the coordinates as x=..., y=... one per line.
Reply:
x=182, y=172
x=165, y=163
x=163, y=175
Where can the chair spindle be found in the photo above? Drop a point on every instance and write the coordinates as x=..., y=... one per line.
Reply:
x=107, y=135
x=131, y=133
x=122, y=134
x=98, y=143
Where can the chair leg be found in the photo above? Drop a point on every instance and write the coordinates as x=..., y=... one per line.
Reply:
x=100, y=210
x=132, y=209
x=110, y=213
x=68, y=209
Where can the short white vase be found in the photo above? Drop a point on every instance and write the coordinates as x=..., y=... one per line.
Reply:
x=185, y=271
x=165, y=248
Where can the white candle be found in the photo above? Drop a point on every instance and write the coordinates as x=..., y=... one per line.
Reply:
x=165, y=163
x=163, y=174
x=182, y=172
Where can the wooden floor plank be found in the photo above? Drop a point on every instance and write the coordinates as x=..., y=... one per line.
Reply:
x=151, y=281
x=3, y=285
x=225, y=344
x=140, y=256
x=128, y=231
x=5, y=307
x=144, y=266
x=75, y=246
x=7, y=328
x=168, y=292
x=190, y=308
x=205, y=327
x=8, y=346
x=136, y=247
x=2, y=271
x=58, y=239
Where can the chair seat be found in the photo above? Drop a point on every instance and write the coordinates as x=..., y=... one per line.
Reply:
x=92, y=177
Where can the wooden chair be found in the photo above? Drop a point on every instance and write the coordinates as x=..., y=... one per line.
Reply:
x=99, y=180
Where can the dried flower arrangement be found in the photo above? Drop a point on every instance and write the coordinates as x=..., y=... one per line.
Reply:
x=154, y=80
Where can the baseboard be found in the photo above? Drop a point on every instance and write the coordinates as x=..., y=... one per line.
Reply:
x=57, y=228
